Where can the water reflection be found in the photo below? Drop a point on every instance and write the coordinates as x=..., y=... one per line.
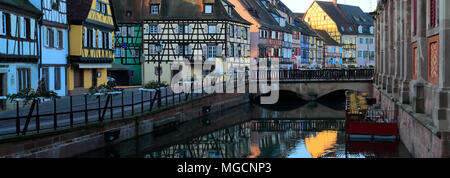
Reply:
x=251, y=131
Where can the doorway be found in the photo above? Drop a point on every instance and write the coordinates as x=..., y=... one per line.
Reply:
x=94, y=77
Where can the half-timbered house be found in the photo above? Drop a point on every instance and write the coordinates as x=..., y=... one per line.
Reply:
x=196, y=30
x=330, y=17
x=91, y=41
x=127, y=68
x=54, y=44
x=19, y=49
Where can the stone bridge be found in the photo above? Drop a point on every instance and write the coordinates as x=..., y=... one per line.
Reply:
x=314, y=84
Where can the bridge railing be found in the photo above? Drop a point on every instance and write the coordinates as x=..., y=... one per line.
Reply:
x=323, y=74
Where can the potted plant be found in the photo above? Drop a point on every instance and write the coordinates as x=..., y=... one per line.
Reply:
x=104, y=90
x=28, y=95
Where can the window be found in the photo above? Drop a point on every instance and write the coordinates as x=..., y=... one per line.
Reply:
x=183, y=49
x=415, y=17
x=154, y=9
x=23, y=75
x=130, y=31
x=7, y=24
x=117, y=52
x=153, y=29
x=231, y=31
x=103, y=8
x=212, y=51
x=245, y=32
x=433, y=13
x=45, y=36
x=55, y=5
x=360, y=54
x=367, y=40
x=57, y=39
x=128, y=13
x=152, y=49
x=57, y=78
x=230, y=11
x=51, y=40
x=2, y=23
x=211, y=29
x=208, y=8
x=232, y=50
x=46, y=75
x=98, y=7
x=28, y=29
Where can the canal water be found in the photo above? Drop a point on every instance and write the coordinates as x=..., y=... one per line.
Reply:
x=292, y=129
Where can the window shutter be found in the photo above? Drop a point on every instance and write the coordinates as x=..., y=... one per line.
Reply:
x=159, y=29
x=205, y=52
x=219, y=50
x=110, y=40
x=13, y=25
x=1, y=23
x=177, y=29
x=95, y=38
x=32, y=29
x=56, y=38
x=21, y=27
x=146, y=29
x=85, y=37
x=100, y=39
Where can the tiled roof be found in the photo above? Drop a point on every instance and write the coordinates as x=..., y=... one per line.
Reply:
x=189, y=10
x=343, y=23
x=122, y=6
x=261, y=14
x=78, y=10
x=327, y=38
x=21, y=4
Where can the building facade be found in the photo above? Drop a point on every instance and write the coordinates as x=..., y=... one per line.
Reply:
x=19, y=47
x=330, y=17
x=412, y=71
x=127, y=67
x=208, y=31
x=332, y=51
x=54, y=44
x=91, y=38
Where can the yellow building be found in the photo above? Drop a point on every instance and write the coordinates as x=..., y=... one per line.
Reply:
x=328, y=16
x=91, y=43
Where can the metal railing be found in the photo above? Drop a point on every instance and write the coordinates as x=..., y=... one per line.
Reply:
x=82, y=110
x=311, y=75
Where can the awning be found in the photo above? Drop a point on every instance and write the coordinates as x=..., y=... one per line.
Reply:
x=94, y=66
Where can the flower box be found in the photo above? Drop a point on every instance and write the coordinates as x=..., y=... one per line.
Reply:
x=114, y=93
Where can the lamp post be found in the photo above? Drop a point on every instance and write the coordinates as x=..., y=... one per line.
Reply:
x=158, y=50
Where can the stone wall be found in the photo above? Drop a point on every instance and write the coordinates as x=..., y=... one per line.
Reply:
x=71, y=142
x=417, y=132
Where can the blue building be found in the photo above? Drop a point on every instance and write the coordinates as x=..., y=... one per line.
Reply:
x=54, y=44
x=19, y=49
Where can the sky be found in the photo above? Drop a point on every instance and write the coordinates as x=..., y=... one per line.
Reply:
x=303, y=5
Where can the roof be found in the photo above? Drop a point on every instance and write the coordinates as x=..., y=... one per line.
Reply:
x=22, y=4
x=338, y=16
x=299, y=15
x=121, y=7
x=356, y=15
x=327, y=38
x=78, y=10
x=189, y=10
x=261, y=14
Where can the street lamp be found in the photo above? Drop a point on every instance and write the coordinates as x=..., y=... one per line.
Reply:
x=158, y=50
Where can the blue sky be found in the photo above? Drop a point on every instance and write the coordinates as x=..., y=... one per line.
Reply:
x=303, y=5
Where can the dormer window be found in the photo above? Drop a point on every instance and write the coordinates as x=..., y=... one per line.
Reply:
x=360, y=29
x=154, y=9
x=208, y=8
x=128, y=13
x=371, y=30
x=230, y=11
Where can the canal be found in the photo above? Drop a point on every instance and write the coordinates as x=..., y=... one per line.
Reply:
x=290, y=129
